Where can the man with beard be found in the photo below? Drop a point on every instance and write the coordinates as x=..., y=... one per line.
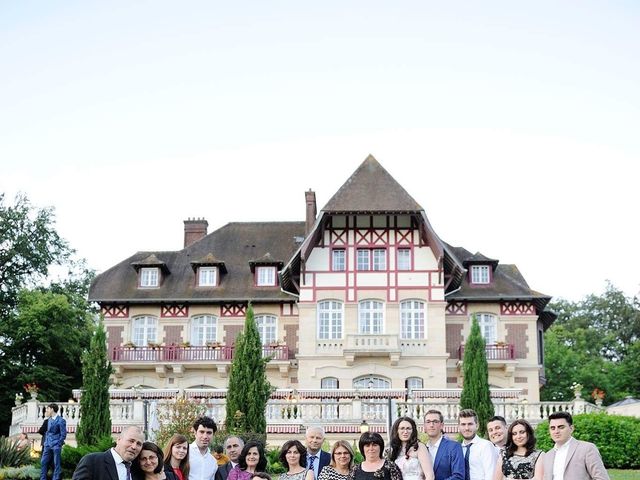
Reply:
x=480, y=455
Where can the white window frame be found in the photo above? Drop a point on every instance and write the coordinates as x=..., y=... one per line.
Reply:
x=371, y=317
x=403, y=259
x=480, y=274
x=488, y=324
x=338, y=260
x=379, y=259
x=144, y=330
x=204, y=328
x=413, y=383
x=413, y=325
x=363, y=260
x=330, y=319
x=266, y=276
x=329, y=383
x=207, y=276
x=149, y=277
x=371, y=381
x=267, y=328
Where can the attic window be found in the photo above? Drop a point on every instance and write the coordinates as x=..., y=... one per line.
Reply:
x=149, y=277
x=266, y=276
x=480, y=274
x=207, y=276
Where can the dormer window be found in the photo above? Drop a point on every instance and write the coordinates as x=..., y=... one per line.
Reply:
x=207, y=276
x=266, y=276
x=480, y=274
x=149, y=277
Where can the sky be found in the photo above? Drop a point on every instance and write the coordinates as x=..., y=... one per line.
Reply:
x=516, y=125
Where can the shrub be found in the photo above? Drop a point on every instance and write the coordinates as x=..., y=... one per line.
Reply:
x=11, y=455
x=28, y=472
x=615, y=436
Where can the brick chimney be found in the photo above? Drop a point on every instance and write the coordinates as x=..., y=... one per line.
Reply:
x=312, y=211
x=194, y=230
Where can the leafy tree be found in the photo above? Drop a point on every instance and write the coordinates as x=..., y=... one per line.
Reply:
x=475, y=371
x=41, y=343
x=95, y=423
x=594, y=342
x=249, y=389
x=29, y=245
x=177, y=417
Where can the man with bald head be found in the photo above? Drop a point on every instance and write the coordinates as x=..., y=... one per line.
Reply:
x=115, y=463
x=316, y=458
x=232, y=447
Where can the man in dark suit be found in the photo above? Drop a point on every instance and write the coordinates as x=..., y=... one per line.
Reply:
x=115, y=463
x=446, y=455
x=317, y=459
x=232, y=447
x=54, y=439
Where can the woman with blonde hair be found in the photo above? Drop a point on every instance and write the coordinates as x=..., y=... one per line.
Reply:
x=176, y=455
x=341, y=462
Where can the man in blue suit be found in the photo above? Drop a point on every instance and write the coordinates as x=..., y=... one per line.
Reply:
x=54, y=439
x=317, y=459
x=446, y=455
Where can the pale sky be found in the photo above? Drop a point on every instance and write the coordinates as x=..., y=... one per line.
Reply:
x=516, y=125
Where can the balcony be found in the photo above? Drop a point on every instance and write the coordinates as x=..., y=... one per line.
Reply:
x=176, y=353
x=372, y=346
x=494, y=352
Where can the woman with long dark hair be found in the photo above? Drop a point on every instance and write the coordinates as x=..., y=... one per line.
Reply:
x=293, y=457
x=251, y=460
x=519, y=459
x=411, y=455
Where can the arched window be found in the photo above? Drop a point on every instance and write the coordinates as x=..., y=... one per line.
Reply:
x=329, y=383
x=370, y=381
x=412, y=383
x=329, y=319
x=268, y=328
x=488, y=327
x=412, y=319
x=204, y=328
x=145, y=330
x=370, y=317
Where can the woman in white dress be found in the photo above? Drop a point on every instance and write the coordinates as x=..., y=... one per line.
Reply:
x=411, y=455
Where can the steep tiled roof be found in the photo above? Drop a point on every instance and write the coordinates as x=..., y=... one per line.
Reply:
x=371, y=189
x=235, y=243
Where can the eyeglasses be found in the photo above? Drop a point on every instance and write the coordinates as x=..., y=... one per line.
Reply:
x=431, y=422
x=341, y=453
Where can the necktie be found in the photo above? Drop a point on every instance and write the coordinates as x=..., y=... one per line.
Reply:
x=312, y=459
x=127, y=465
x=467, y=473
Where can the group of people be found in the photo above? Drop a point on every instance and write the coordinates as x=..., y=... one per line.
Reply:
x=509, y=453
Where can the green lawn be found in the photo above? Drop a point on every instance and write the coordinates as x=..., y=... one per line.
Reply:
x=624, y=474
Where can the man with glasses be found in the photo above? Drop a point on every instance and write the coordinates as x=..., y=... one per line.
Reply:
x=446, y=455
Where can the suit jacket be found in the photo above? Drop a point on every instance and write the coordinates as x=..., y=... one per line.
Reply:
x=223, y=471
x=449, y=461
x=583, y=462
x=323, y=460
x=56, y=432
x=96, y=466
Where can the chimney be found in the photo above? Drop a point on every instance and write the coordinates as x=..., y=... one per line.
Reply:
x=194, y=230
x=312, y=211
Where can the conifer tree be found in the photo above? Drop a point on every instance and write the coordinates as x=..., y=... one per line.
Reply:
x=475, y=387
x=249, y=389
x=95, y=423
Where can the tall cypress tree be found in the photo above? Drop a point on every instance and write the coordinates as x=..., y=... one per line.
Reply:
x=475, y=370
x=95, y=423
x=249, y=389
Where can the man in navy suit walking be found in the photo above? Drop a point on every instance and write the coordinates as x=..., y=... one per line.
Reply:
x=54, y=439
x=446, y=455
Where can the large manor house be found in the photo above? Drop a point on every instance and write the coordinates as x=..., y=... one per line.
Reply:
x=362, y=295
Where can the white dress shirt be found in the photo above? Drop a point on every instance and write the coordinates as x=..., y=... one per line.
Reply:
x=560, y=459
x=201, y=467
x=433, y=449
x=482, y=458
x=120, y=468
